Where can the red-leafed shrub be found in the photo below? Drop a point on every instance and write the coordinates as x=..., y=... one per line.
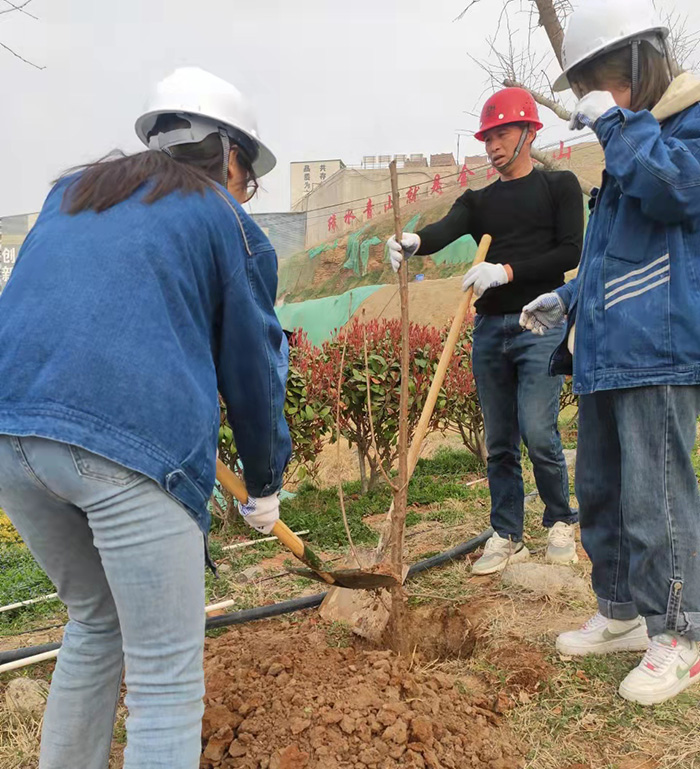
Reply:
x=382, y=338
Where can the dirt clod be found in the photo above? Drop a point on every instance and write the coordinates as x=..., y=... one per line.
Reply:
x=327, y=716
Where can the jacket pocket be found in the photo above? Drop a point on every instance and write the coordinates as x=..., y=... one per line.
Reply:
x=97, y=468
x=633, y=236
x=636, y=309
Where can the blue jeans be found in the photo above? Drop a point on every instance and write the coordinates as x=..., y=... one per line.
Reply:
x=520, y=400
x=128, y=562
x=640, y=507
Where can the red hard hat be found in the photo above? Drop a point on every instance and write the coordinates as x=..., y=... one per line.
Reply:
x=511, y=105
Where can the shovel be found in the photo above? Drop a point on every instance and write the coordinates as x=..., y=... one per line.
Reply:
x=352, y=579
x=368, y=615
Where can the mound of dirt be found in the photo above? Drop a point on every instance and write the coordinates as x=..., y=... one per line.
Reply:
x=279, y=697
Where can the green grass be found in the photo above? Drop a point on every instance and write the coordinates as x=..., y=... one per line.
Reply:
x=21, y=577
x=580, y=708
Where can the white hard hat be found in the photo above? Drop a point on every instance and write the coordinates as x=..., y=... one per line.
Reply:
x=210, y=104
x=596, y=26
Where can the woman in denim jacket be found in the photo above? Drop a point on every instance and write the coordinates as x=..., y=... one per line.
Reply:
x=143, y=288
x=633, y=323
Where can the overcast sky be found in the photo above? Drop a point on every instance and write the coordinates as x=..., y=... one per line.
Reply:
x=329, y=79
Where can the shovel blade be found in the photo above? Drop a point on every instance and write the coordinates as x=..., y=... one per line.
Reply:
x=366, y=613
x=352, y=579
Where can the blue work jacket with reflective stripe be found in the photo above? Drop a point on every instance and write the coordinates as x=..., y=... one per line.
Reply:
x=635, y=304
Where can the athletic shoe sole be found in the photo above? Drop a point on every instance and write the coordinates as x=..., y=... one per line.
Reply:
x=561, y=560
x=519, y=557
x=629, y=642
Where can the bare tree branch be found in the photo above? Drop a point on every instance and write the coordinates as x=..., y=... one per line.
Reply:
x=552, y=165
x=19, y=8
x=550, y=20
x=556, y=108
x=21, y=58
x=682, y=43
x=466, y=10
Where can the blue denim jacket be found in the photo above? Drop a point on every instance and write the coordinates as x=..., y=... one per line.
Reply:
x=117, y=329
x=636, y=301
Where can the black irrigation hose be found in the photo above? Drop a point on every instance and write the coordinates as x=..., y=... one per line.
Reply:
x=277, y=609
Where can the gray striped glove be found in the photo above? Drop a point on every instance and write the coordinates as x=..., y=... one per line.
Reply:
x=543, y=314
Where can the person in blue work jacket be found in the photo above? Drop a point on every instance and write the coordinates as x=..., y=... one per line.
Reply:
x=633, y=327
x=143, y=289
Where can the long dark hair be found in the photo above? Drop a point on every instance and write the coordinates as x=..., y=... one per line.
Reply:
x=615, y=68
x=187, y=168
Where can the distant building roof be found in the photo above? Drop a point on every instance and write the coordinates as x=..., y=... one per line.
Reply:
x=442, y=159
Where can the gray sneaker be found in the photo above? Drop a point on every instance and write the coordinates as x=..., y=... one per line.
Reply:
x=499, y=553
x=561, y=545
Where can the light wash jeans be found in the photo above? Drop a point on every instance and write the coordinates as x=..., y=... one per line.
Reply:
x=640, y=506
x=128, y=562
x=519, y=399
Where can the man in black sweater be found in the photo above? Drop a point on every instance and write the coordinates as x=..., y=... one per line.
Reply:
x=536, y=221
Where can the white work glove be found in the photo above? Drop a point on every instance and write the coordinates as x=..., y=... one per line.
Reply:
x=592, y=107
x=544, y=313
x=483, y=277
x=410, y=243
x=261, y=513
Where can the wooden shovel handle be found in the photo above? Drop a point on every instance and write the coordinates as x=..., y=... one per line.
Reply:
x=233, y=484
x=443, y=365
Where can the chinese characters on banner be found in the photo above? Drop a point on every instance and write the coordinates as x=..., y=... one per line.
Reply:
x=436, y=187
x=563, y=154
x=7, y=262
x=463, y=176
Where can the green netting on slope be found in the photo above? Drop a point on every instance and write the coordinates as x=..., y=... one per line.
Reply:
x=364, y=251
x=462, y=251
x=353, y=261
x=410, y=227
x=314, y=252
x=320, y=317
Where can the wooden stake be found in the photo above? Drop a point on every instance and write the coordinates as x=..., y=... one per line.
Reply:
x=401, y=496
x=427, y=414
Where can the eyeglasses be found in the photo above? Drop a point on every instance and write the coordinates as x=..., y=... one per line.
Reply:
x=252, y=188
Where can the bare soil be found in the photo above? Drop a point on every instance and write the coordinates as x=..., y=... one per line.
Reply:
x=283, y=698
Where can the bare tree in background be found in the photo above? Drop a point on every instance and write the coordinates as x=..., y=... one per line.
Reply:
x=17, y=7
x=519, y=59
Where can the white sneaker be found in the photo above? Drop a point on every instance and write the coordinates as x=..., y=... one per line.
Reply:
x=499, y=552
x=561, y=545
x=601, y=635
x=671, y=664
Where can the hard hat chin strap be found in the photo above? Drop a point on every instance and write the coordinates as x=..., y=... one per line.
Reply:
x=226, y=146
x=518, y=150
x=661, y=46
x=635, y=70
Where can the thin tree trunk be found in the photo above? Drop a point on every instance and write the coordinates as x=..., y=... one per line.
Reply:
x=481, y=443
x=550, y=21
x=363, y=470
